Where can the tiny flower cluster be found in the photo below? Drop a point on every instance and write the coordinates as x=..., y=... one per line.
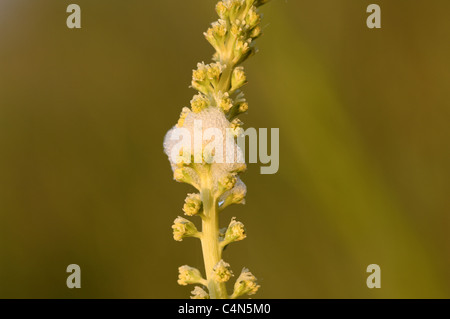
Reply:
x=183, y=228
x=245, y=284
x=216, y=105
x=206, y=78
x=237, y=28
x=189, y=275
x=235, y=232
x=192, y=204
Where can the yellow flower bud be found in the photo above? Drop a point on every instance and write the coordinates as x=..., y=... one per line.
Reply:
x=256, y=32
x=214, y=70
x=243, y=107
x=245, y=284
x=221, y=10
x=242, y=46
x=236, y=128
x=222, y=272
x=235, y=232
x=189, y=275
x=236, y=30
x=209, y=35
x=183, y=228
x=238, y=78
x=235, y=196
x=199, y=75
x=219, y=28
x=228, y=181
x=199, y=102
x=192, y=205
x=253, y=18
x=226, y=104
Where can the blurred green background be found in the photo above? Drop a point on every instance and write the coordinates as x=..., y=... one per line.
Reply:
x=364, y=161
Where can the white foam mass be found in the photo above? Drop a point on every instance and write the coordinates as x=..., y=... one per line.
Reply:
x=229, y=160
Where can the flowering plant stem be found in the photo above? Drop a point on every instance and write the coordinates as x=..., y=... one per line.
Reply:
x=216, y=106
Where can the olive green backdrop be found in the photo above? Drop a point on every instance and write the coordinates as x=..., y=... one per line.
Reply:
x=364, y=161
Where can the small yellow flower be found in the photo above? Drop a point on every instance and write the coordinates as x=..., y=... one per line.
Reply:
x=226, y=104
x=222, y=272
x=228, y=181
x=209, y=35
x=236, y=127
x=189, y=275
x=238, y=78
x=234, y=196
x=253, y=18
x=242, y=46
x=214, y=70
x=223, y=101
x=192, y=205
x=219, y=28
x=256, y=32
x=199, y=74
x=236, y=30
x=199, y=102
x=183, y=228
x=221, y=10
x=245, y=284
x=235, y=232
x=243, y=107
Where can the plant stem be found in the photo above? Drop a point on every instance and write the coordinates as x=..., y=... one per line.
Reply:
x=210, y=244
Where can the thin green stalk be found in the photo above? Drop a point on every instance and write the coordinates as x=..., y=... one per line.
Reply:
x=210, y=244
